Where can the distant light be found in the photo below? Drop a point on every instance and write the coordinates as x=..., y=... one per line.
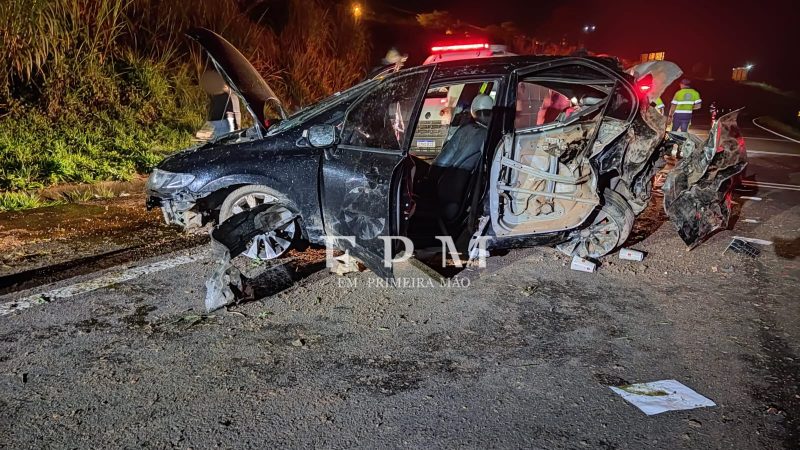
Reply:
x=749, y=66
x=589, y=28
x=459, y=47
x=358, y=11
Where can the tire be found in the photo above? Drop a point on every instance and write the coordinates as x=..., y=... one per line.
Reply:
x=269, y=245
x=609, y=229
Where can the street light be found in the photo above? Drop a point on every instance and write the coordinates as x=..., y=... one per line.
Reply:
x=358, y=11
x=749, y=66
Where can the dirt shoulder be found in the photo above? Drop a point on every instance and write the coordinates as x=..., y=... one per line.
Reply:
x=83, y=237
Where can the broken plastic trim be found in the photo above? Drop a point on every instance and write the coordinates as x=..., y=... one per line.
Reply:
x=228, y=240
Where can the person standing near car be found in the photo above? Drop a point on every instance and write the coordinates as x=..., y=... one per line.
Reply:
x=685, y=102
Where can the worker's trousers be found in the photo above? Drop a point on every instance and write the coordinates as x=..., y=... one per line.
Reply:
x=681, y=122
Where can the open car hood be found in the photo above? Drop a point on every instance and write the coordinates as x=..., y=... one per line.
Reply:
x=697, y=192
x=238, y=73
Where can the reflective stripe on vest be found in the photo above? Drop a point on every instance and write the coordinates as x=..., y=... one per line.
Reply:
x=685, y=99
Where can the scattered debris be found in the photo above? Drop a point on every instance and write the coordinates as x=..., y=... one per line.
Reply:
x=344, y=264
x=660, y=396
x=751, y=220
x=582, y=265
x=753, y=240
x=747, y=197
x=742, y=247
x=630, y=255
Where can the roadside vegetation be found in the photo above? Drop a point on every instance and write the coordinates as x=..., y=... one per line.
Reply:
x=94, y=90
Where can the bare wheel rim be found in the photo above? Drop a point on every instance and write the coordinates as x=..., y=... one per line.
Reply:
x=598, y=239
x=268, y=245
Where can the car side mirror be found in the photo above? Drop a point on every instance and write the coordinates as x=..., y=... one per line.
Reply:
x=321, y=136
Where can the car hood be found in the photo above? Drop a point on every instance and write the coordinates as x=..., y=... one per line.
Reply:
x=239, y=74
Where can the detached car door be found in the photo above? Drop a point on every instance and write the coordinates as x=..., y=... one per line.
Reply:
x=360, y=176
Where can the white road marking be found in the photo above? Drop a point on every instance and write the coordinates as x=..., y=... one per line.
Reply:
x=759, y=152
x=96, y=283
x=786, y=187
x=766, y=139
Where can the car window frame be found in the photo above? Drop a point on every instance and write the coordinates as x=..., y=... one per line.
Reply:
x=621, y=82
x=413, y=118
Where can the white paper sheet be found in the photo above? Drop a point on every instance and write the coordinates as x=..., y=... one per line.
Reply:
x=661, y=396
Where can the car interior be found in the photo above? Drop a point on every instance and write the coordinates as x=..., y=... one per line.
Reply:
x=451, y=136
x=446, y=149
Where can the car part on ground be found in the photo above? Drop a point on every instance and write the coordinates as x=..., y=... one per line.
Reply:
x=272, y=244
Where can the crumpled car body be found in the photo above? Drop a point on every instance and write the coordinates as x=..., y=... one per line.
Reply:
x=571, y=150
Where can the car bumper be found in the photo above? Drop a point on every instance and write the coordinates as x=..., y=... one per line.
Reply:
x=178, y=210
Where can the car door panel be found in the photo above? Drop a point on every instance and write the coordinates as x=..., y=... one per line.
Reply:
x=360, y=176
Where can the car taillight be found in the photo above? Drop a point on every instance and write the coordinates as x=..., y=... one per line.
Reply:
x=644, y=84
x=459, y=47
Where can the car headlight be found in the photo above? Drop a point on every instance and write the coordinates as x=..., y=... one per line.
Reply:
x=161, y=179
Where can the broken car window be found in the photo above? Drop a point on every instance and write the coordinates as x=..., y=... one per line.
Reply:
x=381, y=118
x=542, y=102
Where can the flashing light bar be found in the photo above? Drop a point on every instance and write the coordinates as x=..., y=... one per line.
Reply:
x=459, y=47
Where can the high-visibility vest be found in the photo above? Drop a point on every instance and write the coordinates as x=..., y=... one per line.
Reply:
x=659, y=104
x=684, y=101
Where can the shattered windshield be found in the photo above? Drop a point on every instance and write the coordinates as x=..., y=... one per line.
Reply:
x=322, y=106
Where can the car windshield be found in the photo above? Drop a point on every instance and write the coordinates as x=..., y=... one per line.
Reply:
x=322, y=106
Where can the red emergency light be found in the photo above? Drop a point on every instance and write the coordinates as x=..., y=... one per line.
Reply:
x=644, y=84
x=459, y=47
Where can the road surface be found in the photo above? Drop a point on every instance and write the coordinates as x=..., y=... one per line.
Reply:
x=520, y=354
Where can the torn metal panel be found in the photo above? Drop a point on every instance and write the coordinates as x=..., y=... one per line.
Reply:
x=697, y=193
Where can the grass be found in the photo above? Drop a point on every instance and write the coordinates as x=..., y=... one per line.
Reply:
x=18, y=201
x=96, y=90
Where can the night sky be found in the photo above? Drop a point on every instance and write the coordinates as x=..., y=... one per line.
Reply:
x=721, y=34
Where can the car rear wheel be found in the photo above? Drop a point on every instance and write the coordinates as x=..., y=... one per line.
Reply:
x=609, y=229
x=269, y=245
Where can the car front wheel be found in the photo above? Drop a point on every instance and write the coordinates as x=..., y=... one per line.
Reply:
x=269, y=245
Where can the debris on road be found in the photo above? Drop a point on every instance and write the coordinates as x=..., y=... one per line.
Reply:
x=753, y=240
x=657, y=397
x=751, y=220
x=630, y=255
x=747, y=197
x=582, y=265
x=345, y=264
x=742, y=247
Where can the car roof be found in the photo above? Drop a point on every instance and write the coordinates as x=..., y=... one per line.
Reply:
x=501, y=65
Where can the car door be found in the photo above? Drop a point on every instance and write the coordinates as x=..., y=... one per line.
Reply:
x=361, y=175
x=541, y=181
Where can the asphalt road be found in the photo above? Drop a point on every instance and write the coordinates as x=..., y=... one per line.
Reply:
x=521, y=354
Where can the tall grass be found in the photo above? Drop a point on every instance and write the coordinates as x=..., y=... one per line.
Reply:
x=96, y=90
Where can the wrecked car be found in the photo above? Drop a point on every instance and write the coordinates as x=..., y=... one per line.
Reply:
x=525, y=150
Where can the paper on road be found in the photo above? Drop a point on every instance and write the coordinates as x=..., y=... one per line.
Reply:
x=661, y=396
